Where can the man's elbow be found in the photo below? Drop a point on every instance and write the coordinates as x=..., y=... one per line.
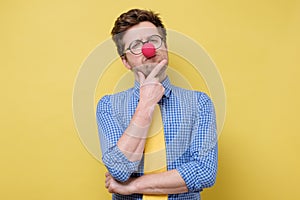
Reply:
x=209, y=179
x=204, y=180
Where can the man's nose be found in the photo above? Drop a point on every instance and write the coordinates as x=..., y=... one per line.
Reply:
x=148, y=50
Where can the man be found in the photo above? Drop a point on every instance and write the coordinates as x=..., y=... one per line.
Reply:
x=124, y=119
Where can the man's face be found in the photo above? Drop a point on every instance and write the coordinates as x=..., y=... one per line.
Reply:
x=140, y=63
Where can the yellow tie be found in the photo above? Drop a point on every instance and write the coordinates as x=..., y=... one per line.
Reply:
x=155, y=151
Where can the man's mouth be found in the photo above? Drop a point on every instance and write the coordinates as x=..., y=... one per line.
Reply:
x=151, y=59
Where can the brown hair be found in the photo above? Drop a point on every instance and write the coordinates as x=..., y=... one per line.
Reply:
x=131, y=18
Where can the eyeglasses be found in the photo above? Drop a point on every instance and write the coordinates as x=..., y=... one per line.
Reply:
x=135, y=47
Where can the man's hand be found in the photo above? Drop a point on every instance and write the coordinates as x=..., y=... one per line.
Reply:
x=114, y=186
x=151, y=90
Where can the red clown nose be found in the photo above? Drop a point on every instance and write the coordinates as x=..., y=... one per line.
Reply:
x=148, y=50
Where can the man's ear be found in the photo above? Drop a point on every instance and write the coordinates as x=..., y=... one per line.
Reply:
x=125, y=62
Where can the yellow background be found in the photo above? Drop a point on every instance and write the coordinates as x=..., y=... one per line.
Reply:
x=255, y=45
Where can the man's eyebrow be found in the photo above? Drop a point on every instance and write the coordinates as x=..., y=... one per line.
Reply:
x=147, y=38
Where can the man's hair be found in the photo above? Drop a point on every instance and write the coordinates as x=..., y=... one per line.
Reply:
x=131, y=18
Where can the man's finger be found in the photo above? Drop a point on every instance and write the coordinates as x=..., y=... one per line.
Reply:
x=141, y=78
x=157, y=69
x=106, y=184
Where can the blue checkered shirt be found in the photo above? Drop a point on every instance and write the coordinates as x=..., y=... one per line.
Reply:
x=190, y=135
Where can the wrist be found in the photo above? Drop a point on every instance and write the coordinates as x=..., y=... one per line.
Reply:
x=145, y=105
x=144, y=110
x=133, y=186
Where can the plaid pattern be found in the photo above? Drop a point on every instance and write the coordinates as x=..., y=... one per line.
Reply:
x=190, y=135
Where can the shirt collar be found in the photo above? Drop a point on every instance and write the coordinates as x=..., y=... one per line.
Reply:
x=166, y=84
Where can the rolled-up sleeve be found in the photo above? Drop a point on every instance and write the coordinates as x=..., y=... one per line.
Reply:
x=201, y=171
x=109, y=133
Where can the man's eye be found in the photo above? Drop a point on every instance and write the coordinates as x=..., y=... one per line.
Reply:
x=136, y=45
x=154, y=41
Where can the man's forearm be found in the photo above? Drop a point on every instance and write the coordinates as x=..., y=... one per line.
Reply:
x=169, y=182
x=133, y=140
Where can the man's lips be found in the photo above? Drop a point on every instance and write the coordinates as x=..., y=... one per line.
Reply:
x=150, y=58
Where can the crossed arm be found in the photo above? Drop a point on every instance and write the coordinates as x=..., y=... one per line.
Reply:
x=193, y=176
x=169, y=182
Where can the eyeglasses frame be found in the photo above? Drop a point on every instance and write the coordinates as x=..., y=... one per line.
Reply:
x=143, y=42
